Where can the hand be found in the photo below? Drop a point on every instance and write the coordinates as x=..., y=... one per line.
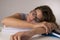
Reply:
x=51, y=26
x=42, y=25
x=21, y=36
x=16, y=36
x=48, y=26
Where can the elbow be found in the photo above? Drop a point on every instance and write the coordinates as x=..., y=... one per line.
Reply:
x=4, y=21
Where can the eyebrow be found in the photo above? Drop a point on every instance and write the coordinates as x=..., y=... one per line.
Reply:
x=35, y=13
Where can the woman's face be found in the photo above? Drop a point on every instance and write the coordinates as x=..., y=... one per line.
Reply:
x=34, y=16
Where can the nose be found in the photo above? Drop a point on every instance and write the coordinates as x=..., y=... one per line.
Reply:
x=36, y=19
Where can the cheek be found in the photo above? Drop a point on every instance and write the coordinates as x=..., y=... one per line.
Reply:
x=39, y=13
x=40, y=16
x=30, y=18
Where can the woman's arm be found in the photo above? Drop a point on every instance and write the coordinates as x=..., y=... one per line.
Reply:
x=29, y=34
x=41, y=30
x=36, y=31
x=15, y=21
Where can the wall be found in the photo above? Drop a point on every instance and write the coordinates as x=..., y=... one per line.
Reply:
x=9, y=7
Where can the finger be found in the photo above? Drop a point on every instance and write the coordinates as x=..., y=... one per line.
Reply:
x=15, y=37
x=12, y=37
x=45, y=26
x=50, y=27
x=47, y=29
x=19, y=38
x=53, y=26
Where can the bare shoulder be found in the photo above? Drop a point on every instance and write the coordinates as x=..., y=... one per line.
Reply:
x=15, y=15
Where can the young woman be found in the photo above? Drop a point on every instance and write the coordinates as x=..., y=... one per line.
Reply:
x=39, y=21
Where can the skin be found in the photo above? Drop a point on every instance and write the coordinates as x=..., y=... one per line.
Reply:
x=38, y=28
x=30, y=16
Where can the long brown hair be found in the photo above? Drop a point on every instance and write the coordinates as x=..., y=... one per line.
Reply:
x=48, y=15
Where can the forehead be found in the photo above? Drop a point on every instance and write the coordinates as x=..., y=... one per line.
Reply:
x=38, y=11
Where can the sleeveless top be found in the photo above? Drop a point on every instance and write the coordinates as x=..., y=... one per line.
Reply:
x=23, y=16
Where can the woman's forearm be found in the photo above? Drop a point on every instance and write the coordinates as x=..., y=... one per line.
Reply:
x=37, y=31
x=42, y=30
x=13, y=22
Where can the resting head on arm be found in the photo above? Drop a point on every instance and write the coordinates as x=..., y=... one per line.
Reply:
x=15, y=21
x=43, y=17
x=35, y=17
x=43, y=14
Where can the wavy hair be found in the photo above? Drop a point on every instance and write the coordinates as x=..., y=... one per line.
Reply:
x=48, y=15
